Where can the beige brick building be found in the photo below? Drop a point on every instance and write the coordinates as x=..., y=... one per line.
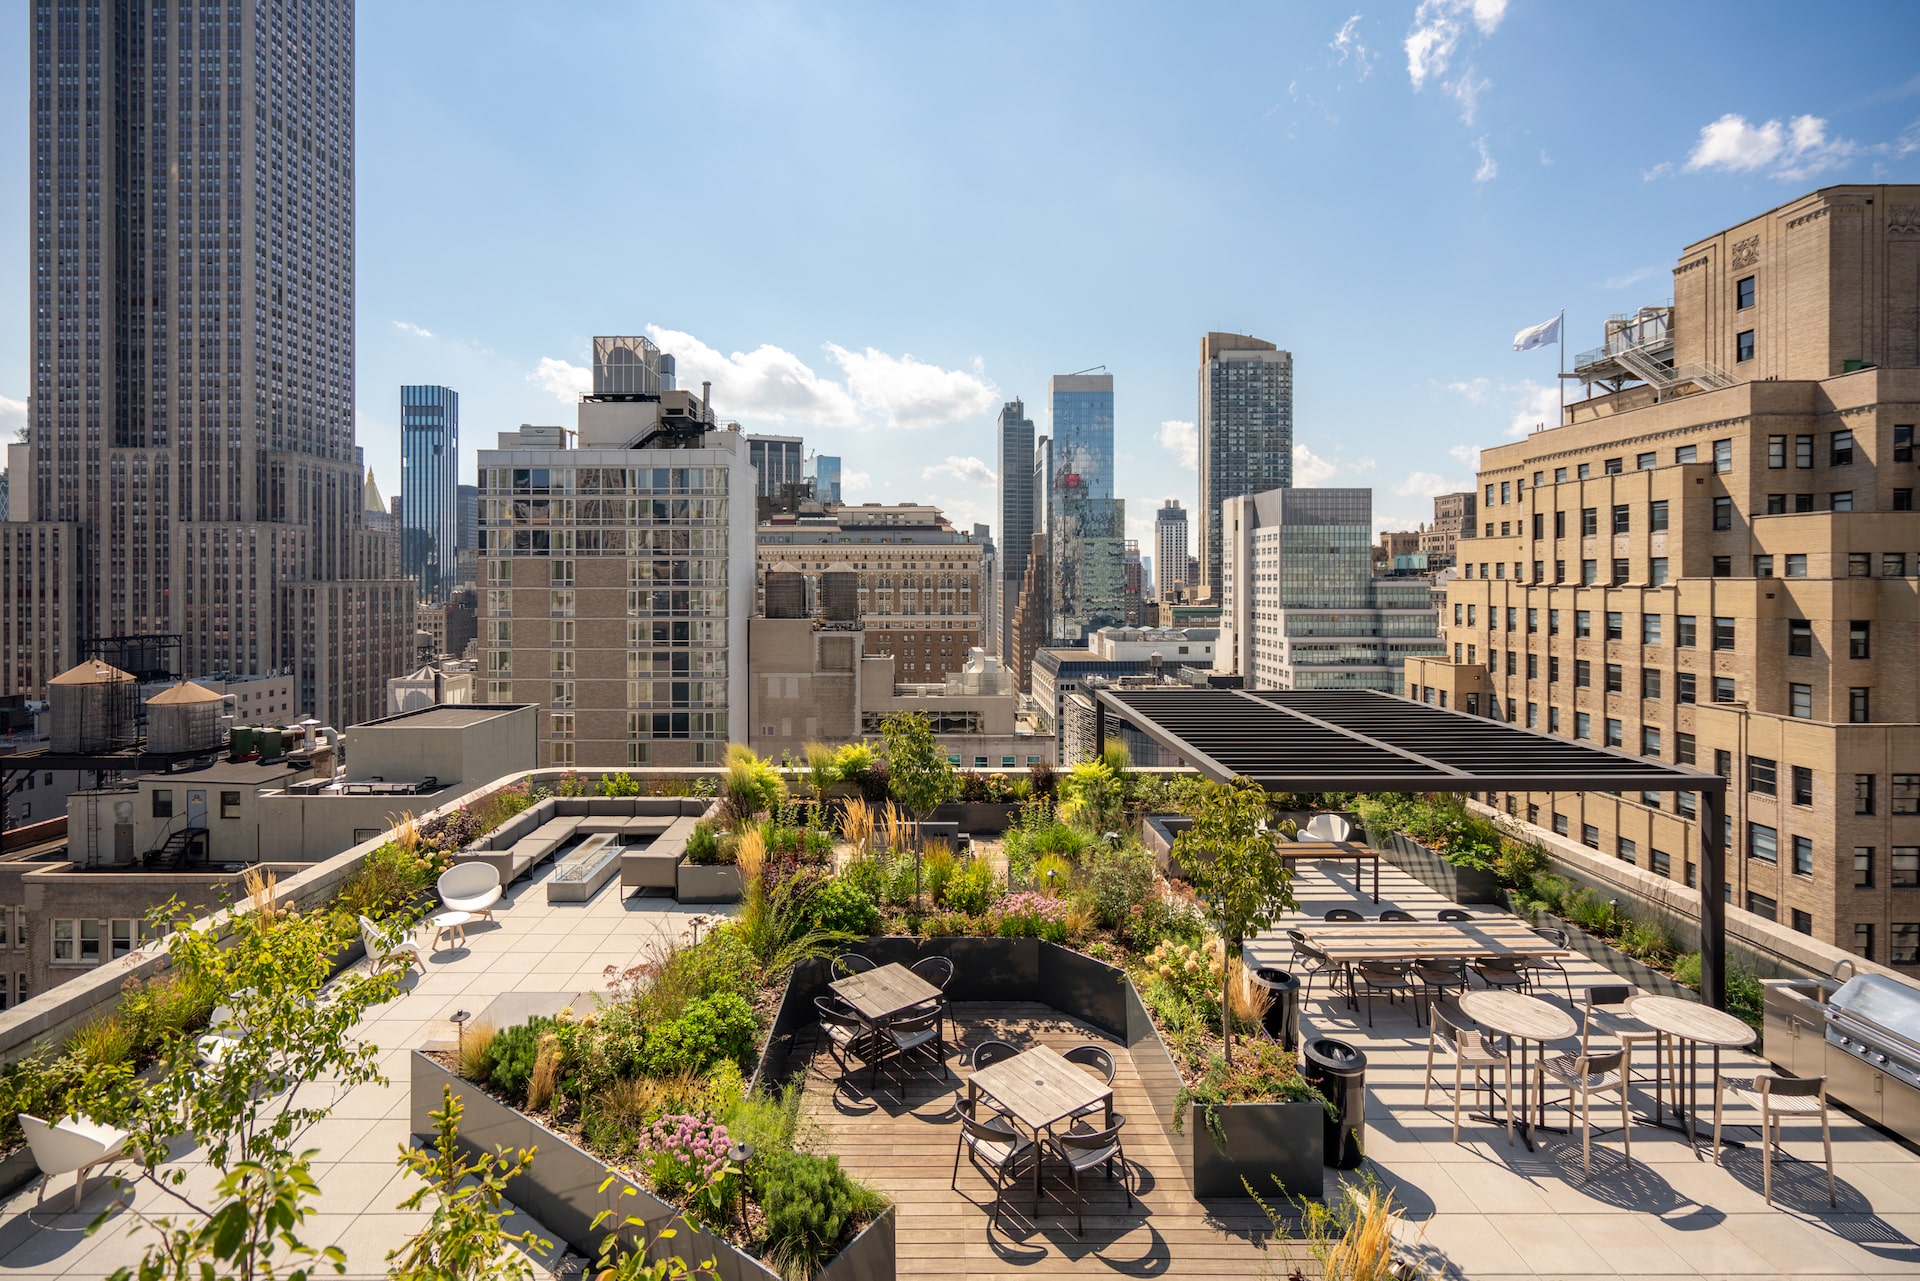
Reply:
x=1716, y=565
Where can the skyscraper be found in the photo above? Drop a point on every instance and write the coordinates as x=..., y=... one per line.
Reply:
x=826, y=477
x=430, y=488
x=1084, y=519
x=1246, y=432
x=1016, y=520
x=1170, y=546
x=780, y=460
x=192, y=464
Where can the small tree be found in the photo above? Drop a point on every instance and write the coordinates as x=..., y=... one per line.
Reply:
x=465, y=1239
x=920, y=778
x=1235, y=867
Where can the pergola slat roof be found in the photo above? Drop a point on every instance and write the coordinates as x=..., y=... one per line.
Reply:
x=1362, y=740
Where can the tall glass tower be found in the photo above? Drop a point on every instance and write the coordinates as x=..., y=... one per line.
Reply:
x=826, y=477
x=430, y=488
x=1086, y=523
x=1016, y=520
x=1246, y=432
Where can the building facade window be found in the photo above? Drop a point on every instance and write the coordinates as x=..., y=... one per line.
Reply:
x=1863, y=867
x=1860, y=705
x=1743, y=293
x=1863, y=793
x=1799, y=701
x=1743, y=346
x=1803, y=855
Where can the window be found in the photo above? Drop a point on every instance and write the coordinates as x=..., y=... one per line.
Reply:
x=1723, y=455
x=1842, y=501
x=1743, y=293
x=1582, y=725
x=1489, y=493
x=1762, y=906
x=121, y=937
x=1799, y=701
x=1776, y=452
x=1743, y=346
x=1863, y=941
x=1683, y=749
x=1646, y=462
x=1903, y=947
x=1906, y=794
x=1723, y=690
x=1906, y=866
x=1863, y=793
x=1763, y=567
x=1611, y=466
x=1533, y=622
x=1650, y=629
x=229, y=805
x=1589, y=521
x=1903, y=443
x=1660, y=862
x=1796, y=564
x=163, y=802
x=1658, y=572
x=1799, y=638
x=1622, y=572
x=1802, y=503
x=1615, y=736
x=1589, y=572
x=1803, y=856
x=1622, y=518
x=1802, y=785
x=1533, y=667
x=1686, y=454
x=1625, y=850
x=1859, y=705
x=1859, y=564
x=1616, y=678
x=1582, y=624
x=1903, y=500
x=1533, y=716
x=1722, y=632
x=1616, y=624
x=1590, y=836
x=1863, y=867
x=1723, y=513
x=1582, y=674
x=1684, y=805
x=1684, y=631
x=1584, y=470
x=1560, y=824
x=1650, y=742
x=1761, y=775
x=1539, y=524
x=1763, y=843
x=1776, y=504
x=1893, y=564
x=1723, y=567
x=1803, y=452
x=1553, y=720
x=1684, y=688
x=1553, y=622
x=1840, y=449
x=1553, y=668
x=1860, y=638
x=65, y=934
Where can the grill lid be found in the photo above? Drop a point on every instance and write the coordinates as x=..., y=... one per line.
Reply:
x=1879, y=1001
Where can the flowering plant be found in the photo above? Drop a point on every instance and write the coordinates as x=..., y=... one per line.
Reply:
x=688, y=1160
x=1029, y=914
x=1191, y=971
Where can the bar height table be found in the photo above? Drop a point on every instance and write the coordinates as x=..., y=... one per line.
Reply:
x=1525, y=1019
x=1691, y=1025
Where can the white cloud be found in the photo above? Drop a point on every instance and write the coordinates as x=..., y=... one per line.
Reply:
x=1309, y=469
x=1488, y=167
x=1348, y=47
x=1627, y=279
x=1466, y=91
x=1466, y=456
x=567, y=382
x=1793, y=151
x=1476, y=390
x=13, y=415
x=1183, y=439
x=855, y=481
x=968, y=469
x=1426, y=484
x=966, y=512
x=766, y=382
x=1538, y=407
x=912, y=393
x=1397, y=524
x=1436, y=31
x=415, y=330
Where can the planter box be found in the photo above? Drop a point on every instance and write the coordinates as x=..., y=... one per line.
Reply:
x=1463, y=885
x=1638, y=973
x=707, y=883
x=1264, y=1142
x=17, y=1169
x=561, y=1188
x=978, y=818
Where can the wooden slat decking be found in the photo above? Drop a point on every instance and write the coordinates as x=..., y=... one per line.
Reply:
x=901, y=1137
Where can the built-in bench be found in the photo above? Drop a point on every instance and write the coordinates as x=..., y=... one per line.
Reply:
x=537, y=833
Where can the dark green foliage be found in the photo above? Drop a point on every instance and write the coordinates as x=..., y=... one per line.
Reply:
x=1118, y=882
x=971, y=889
x=809, y=1201
x=843, y=907
x=511, y=1053
x=709, y=1029
x=703, y=843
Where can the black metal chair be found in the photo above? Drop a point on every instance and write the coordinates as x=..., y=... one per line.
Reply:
x=1390, y=977
x=937, y=970
x=1342, y=914
x=1501, y=972
x=1397, y=914
x=848, y=964
x=1548, y=964
x=1438, y=976
x=1453, y=914
x=1311, y=961
x=915, y=1030
x=1098, y=1060
x=848, y=1034
x=994, y=1148
x=1087, y=1149
x=988, y=1053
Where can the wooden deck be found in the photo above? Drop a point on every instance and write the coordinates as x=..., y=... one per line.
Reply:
x=902, y=1135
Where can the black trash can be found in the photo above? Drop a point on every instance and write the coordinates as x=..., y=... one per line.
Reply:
x=1339, y=1071
x=1283, y=1012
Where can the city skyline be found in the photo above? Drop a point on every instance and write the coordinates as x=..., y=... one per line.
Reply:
x=828, y=353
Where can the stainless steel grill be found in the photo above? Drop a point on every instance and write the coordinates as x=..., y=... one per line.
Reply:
x=1877, y=1020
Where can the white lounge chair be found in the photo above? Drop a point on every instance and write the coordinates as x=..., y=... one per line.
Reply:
x=1327, y=827
x=73, y=1144
x=384, y=948
x=472, y=887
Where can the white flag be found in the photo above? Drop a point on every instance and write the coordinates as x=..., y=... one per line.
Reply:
x=1538, y=336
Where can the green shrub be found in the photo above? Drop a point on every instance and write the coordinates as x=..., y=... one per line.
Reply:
x=1596, y=915
x=1052, y=874
x=510, y=1055
x=937, y=867
x=1118, y=882
x=387, y=881
x=619, y=784
x=972, y=889
x=867, y=874
x=750, y=785
x=102, y=1042
x=809, y=1202
x=842, y=906
x=709, y=1029
x=1646, y=941
x=703, y=843
x=899, y=880
x=1551, y=891
x=1518, y=863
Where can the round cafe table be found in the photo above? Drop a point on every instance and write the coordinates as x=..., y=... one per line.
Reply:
x=1690, y=1025
x=1524, y=1019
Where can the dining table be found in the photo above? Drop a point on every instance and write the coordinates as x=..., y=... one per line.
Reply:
x=1690, y=1025
x=1309, y=850
x=1524, y=1019
x=1039, y=1088
x=1350, y=943
x=884, y=991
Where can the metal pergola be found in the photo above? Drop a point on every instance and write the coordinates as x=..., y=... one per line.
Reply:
x=1366, y=741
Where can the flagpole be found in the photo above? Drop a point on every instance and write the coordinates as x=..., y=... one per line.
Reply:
x=1563, y=366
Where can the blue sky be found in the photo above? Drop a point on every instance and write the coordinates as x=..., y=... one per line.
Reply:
x=869, y=225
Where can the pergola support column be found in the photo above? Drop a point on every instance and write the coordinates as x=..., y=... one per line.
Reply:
x=1713, y=896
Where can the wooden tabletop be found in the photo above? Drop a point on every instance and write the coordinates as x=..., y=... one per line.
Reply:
x=884, y=991
x=1690, y=1021
x=1325, y=849
x=1514, y=1014
x=1039, y=1087
x=1404, y=940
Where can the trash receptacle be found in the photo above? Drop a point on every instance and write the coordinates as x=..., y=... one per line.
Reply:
x=1339, y=1071
x=1283, y=1011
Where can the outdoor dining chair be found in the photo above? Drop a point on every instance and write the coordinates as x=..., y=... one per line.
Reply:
x=1501, y=972
x=915, y=1030
x=1470, y=1049
x=988, y=1053
x=847, y=1034
x=1311, y=961
x=1342, y=914
x=1397, y=914
x=848, y=964
x=1585, y=1075
x=1098, y=1061
x=937, y=970
x=1610, y=996
x=1327, y=827
x=993, y=1147
x=74, y=1145
x=1548, y=964
x=1453, y=914
x=1438, y=976
x=1391, y=977
x=1776, y=1098
x=1088, y=1149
